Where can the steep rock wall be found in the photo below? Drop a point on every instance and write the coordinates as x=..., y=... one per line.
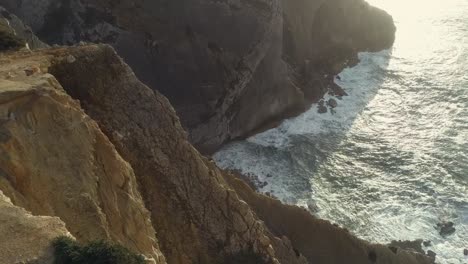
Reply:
x=228, y=67
x=198, y=218
x=55, y=161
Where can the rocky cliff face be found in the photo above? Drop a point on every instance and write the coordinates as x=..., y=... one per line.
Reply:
x=102, y=161
x=27, y=238
x=55, y=161
x=12, y=25
x=228, y=67
x=198, y=218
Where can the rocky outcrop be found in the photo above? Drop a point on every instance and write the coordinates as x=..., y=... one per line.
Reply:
x=55, y=161
x=318, y=240
x=27, y=238
x=228, y=67
x=12, y=25
x=322, y=37
x=88, y=160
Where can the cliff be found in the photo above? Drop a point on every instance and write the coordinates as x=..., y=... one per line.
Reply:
x=27, y=238
x=55, y=161
x=228, y=67
x=84, y=140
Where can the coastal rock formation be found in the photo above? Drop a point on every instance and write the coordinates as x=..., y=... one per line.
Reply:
x=100, y=160
x=318, y=240
x=198, y=218
x=228, y=67
x=27, y=238
x=55, y=161
x=11, y=24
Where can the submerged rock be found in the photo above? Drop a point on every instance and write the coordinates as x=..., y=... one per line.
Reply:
x=337, y=91
x=446, y=228
x=332, y=103
x=432, y=255
x=321, y=108
x=414, y=245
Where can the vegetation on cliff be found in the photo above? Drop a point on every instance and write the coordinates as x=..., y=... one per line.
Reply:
x=69, y=251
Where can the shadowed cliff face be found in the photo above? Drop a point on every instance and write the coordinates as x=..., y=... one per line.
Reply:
x=318, y=240
x=228, y=67
x=20, y=34
x=85, y=164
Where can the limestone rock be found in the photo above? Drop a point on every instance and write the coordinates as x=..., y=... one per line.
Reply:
x=55, y=161
x=27, y=238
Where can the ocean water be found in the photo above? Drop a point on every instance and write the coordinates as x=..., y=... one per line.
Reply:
x=391, y=161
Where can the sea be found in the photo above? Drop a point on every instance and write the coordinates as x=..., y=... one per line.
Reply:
x=391, y=160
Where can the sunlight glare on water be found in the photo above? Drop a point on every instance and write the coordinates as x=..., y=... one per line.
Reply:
x=392, y=161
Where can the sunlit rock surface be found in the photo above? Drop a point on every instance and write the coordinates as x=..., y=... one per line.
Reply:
x=26, y=238
x=54, y=159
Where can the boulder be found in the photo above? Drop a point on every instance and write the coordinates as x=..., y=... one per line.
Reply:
x=332, y=103
x=431, y=254
x=446, y=228
x=321, y=108
x=414, y=245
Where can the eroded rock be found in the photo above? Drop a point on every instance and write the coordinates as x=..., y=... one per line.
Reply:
x=27, y=238
x=57, y=162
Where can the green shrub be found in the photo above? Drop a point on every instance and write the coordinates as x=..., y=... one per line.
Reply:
x=68, y=251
